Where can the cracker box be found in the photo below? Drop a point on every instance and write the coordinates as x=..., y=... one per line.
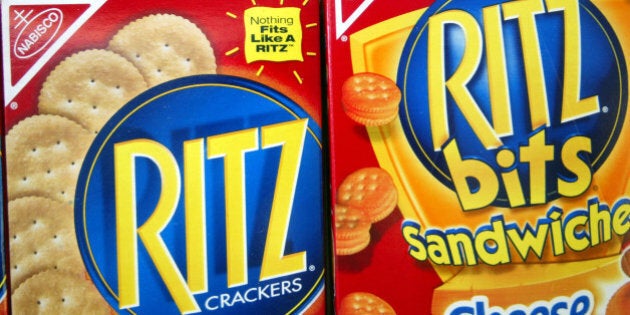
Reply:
x=479, y=156
x=164, y=157
x=3, y=251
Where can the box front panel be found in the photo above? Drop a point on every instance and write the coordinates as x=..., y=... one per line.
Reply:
x=506, y=150
x=164, y=157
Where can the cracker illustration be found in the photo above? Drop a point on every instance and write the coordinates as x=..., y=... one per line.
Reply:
x=41, y=237
x=364, y=303
x=625, y=262
x=370, y=99
x=165, y=47
x=619, y=303
x=44, y=154
x=371, y=189
x=352, y=230
x=90, y=86
x=58, y=292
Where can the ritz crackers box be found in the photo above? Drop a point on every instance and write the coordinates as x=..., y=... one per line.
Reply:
x=508, y=152
x=164, y=157
x=3, y=250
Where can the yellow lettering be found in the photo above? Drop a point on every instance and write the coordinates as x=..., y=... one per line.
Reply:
x=524, y=11
x=456, y=84
x=461, y=170
x=290, y=136
x=557, y=240
x=599, y=223
x=492, y=246
x=511, y=180
x=529, y=241
x=575, y=233
x=572, y=107
x=497, y=71
x=195, y=203
x=461, y=248
x=411, y=233
x=537, y=153
x=125, y=155
x=232, y=148
x=126, y=237
x=621, y=217
x=573, y=163
x=438, y=251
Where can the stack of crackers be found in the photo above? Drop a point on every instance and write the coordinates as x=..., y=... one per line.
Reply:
x=45, y=153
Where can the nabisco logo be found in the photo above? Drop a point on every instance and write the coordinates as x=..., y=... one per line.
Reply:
x=37, y=31
x=32, y=32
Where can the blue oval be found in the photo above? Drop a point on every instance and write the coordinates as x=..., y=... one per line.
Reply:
x=195, y=108
x=604, y=74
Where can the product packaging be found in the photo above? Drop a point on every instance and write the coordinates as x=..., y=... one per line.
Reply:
x=479, y=156
x=164, y=157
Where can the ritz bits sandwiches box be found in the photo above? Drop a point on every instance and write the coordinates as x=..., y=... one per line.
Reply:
x=480, y=156
x=164, y=157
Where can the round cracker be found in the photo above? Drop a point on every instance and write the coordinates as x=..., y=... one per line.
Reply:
x=58, y=292
x=619, y=303
x=370, y=99
x=351, y=246
x=625, y=262
x=352, y=230
x=90, y=86
x=364, y=303
x=165, y=47
x=371, y=189
x=41, y=237
x=44, y=154
x=350, y=222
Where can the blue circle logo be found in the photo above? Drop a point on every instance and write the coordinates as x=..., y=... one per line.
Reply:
x=512, y=103
x=202, y=195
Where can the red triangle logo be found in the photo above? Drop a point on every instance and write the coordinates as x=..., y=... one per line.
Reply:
x=33, y=32
x=33, y=29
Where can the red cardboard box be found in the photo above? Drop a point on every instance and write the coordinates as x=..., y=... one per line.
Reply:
x=164, y=157
x=3, y=252
x=506, y=148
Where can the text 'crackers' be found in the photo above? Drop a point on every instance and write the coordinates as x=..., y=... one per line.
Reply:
x=164, y=157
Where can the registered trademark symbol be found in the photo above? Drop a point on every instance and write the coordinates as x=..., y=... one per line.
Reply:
x=13, y=105
x=344, y=38
x=311, y=268
x=605, y=109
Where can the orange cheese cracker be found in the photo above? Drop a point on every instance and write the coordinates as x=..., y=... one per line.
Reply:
x=352, y=230
x=370, y=189
x=364, y=303
x=625, y=262
x=370, y=99
x=619, y=304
